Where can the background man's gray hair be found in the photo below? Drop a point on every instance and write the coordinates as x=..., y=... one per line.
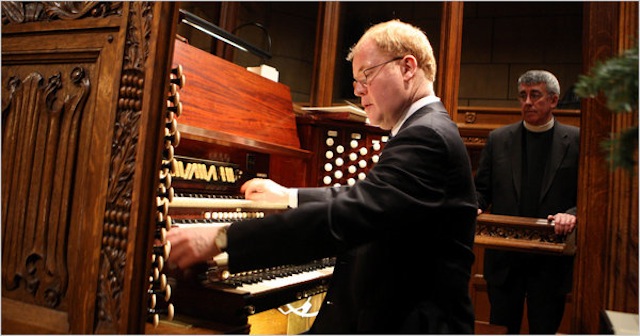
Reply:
x=540, y=76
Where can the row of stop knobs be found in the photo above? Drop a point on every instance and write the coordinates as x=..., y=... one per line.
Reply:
x=356, y=162
x=159, y=290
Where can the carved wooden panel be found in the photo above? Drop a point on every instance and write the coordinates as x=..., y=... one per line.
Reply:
x=49, y=95
x=41, y=121
x=83, y=86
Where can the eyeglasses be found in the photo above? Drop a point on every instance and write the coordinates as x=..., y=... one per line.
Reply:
x=534, y=96
x=365, y=82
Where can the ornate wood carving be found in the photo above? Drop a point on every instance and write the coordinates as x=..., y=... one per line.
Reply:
x=522, y=234
x=39, y=116
x=469, y=117
x=33, y=11
x=474, y=140
x=123, y=159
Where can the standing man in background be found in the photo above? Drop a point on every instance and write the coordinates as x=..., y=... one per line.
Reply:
x=530, y=169
x=415, y=212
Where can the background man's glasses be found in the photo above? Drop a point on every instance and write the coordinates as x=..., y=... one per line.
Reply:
x=533, y=96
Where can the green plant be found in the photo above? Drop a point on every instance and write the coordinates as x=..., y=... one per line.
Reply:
x=617, y=79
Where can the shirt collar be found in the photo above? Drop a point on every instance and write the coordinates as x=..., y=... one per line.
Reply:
x=539, y=129
x=418, y=104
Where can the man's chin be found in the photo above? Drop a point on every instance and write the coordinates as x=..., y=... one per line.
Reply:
x=532, y=118
x=377, y=123
x=373, y=121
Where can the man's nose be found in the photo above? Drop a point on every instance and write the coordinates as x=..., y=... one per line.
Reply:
x=358, y=89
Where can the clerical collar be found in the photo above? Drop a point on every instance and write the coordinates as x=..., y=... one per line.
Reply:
x=541, y=128
x=412, y=109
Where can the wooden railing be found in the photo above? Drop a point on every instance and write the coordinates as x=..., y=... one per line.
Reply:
x=524, y=234
x=498, y=116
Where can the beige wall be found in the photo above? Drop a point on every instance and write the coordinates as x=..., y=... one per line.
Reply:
x=292, y=27
x=501, y=40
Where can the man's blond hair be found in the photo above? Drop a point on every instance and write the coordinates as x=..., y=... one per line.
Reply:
x=398, y=38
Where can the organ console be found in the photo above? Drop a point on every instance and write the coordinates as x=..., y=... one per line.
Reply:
x=232, y=125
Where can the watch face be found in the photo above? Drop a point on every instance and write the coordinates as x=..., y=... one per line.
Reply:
x=221, y=239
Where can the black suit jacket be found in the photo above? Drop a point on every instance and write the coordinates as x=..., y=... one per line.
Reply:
x=498, y=186
x=403, y=236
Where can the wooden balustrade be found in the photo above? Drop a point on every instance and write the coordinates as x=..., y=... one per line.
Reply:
x=524, y=234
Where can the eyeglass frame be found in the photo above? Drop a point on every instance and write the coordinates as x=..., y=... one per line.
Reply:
x=533, y=96
x=365, y=83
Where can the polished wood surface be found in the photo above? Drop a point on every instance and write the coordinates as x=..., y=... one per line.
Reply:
x=224, y=105
x=225, y=97
x=326, y=53
x=448, y=64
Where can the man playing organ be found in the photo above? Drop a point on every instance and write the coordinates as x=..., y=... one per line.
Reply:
x=415, y=208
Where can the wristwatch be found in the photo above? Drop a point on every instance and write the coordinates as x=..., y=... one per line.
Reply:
x=221, y=239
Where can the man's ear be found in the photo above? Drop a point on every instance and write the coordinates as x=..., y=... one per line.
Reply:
x=554, y=100
x=409, y=66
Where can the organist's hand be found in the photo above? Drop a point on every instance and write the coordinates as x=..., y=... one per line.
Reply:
x=192, y=244
x=564, y=223
x=259, y=189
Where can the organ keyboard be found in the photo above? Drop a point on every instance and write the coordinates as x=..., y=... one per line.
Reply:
x=214, y=294
x=213, y=201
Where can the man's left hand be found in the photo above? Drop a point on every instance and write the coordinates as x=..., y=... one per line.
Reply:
x=564, y=223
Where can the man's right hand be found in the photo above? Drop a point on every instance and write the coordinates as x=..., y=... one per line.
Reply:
x=259, y=189
x=192, y=244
